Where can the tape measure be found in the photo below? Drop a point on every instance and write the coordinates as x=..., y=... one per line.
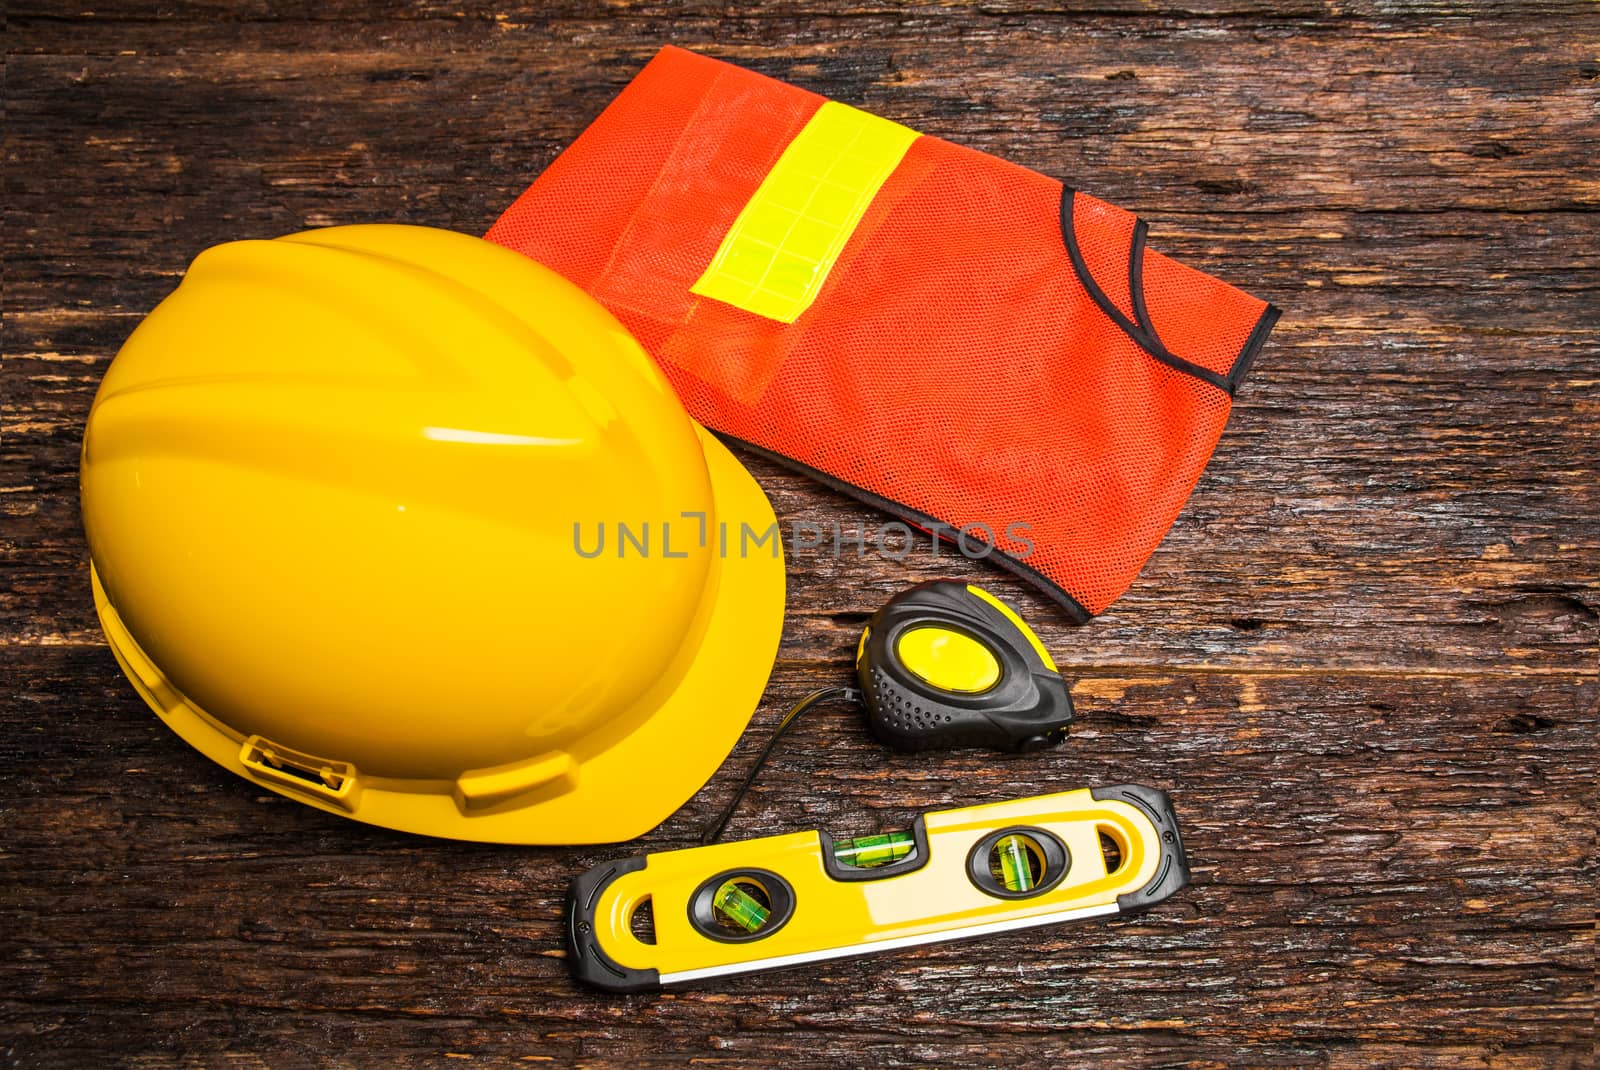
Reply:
x=947, y=664
x=944, y=664
x=732, y=908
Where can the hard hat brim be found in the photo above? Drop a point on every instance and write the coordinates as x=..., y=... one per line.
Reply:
x=621, y=792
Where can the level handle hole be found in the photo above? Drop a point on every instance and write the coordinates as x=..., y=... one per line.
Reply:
x=1113, y=850
x=642, y=921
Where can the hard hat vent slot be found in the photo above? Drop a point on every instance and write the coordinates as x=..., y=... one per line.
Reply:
x=334, y=782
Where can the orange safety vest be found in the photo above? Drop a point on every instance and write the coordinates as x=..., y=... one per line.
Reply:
x=958, y=340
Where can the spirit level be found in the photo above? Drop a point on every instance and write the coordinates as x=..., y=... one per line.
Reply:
x=733, y=908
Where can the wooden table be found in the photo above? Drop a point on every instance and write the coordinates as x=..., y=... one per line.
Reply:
x=1364, y=661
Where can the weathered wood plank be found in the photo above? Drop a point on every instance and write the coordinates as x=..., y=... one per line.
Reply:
x=1397, y=275
x=1404, y=510
x=1417, y=852
x=1462, y=116
x=1365, y=660
x=785, y=13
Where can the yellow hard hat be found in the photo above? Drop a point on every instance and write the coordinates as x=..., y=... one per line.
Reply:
x=343, y=492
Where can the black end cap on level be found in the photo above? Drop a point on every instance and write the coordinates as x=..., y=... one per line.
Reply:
x=589, y=964
x=1172, y=870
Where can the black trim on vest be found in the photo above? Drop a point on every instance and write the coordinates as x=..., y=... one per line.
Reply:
x=1136, y=277
x=1145, y=340
x=925, y=522
x=1252, y=345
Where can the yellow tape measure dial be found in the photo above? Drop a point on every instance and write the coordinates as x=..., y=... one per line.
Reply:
x=948, y=660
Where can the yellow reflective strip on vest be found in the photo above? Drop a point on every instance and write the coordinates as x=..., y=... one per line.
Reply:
x=776, y=256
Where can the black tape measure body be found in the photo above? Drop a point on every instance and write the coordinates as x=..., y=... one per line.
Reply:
x=945, y=664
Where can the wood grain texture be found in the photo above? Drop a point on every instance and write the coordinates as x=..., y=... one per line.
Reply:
x=1366, y=661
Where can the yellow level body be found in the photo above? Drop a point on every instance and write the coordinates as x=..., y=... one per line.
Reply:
x=1092, y=852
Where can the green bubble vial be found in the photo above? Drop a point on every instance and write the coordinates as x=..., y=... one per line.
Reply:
x=739, y=907
x=1016, y=868
x=869, y=852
